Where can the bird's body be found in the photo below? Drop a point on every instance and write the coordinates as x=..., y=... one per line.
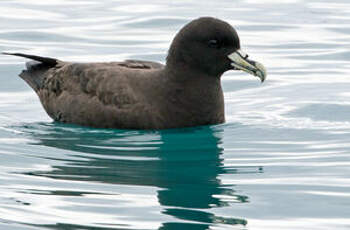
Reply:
x=123, y=95
x=134, y=94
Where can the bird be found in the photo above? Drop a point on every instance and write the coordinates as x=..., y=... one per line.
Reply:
x=184, y=92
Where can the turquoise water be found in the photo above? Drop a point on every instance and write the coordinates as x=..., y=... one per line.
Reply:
x=281, y=161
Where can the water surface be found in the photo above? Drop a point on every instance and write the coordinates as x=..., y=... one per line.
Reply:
x=281, y=161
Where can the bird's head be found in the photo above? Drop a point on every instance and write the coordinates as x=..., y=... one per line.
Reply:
x=212, y=46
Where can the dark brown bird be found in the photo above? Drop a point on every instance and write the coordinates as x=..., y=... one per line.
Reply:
x=141, y=94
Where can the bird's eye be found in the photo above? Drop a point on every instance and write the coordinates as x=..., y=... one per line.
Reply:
x=214, y=43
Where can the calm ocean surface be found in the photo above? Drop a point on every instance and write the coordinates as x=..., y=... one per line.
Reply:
x=282, y=160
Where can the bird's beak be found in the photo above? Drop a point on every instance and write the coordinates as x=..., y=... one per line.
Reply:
x=240, y=61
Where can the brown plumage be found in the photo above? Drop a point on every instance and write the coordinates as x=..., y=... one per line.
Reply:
x=141, y=94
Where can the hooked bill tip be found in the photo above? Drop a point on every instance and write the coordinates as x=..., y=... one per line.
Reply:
x=261, y=73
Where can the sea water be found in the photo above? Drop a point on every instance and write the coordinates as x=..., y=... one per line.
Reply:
x=281, y=161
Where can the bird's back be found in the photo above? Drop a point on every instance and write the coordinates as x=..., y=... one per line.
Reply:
x=105, y=95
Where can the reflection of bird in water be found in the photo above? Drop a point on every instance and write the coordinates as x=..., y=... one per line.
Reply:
x=184, y=164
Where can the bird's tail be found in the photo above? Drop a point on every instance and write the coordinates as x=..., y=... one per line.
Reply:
x=35, y=72
x=45, y=60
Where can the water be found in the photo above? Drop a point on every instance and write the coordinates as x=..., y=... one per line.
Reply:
x=280, y=162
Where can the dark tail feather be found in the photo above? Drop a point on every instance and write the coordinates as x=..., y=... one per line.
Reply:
x=49, y=61
x=35, y=72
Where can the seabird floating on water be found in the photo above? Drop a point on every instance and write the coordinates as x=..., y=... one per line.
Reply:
x=141, y=94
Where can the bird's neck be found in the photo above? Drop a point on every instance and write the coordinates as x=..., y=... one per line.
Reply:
x=196, y=96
